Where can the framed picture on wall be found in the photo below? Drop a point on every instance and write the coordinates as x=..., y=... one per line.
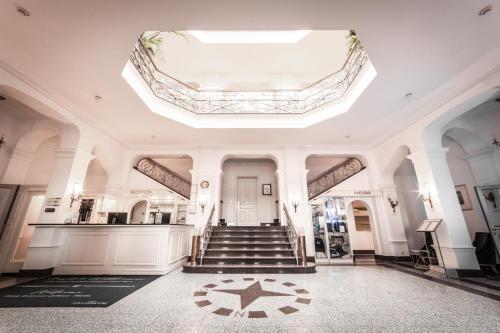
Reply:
x=266, y=189
x=463, y=197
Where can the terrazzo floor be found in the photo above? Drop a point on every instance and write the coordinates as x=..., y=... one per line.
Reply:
x=342, y=299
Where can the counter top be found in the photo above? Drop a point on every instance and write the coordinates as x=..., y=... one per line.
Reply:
x=105, y=225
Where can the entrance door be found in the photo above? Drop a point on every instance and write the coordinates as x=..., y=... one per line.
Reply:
x=247, y=201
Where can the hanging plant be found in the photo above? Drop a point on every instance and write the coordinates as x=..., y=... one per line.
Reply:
x=351, y=39
x=152, y=40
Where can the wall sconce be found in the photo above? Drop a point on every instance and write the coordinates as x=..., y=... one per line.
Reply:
x=427, y=197
x=295, y=202
x=2, y=141
x=393, y=203
x=203, y=203
x=76, y=194
x=496, y=143
x=491, y=198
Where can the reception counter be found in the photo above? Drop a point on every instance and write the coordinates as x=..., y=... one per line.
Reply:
x=138, y=249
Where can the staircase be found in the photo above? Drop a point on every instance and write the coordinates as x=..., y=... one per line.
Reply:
x=364, y=257
x=333, y=176
x=249, y=249
x=164, y=176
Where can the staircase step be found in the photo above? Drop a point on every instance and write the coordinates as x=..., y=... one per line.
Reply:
x=249, y=252
x=247, y=260
x=251, y=228
x=249, y=238
x=249, y=233
x=249, y=245
x=249, y=269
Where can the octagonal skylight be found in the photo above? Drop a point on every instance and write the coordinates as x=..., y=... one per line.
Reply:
x=249, y=79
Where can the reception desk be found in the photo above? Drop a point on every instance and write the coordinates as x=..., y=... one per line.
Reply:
x=108, y=249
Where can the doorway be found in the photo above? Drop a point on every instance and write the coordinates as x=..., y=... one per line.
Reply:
x=247, y=201
x=20, y=233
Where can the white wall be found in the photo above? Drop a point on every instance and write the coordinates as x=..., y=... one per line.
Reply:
x=462, y=175
x=42, y=164
x=410, y=204
x=96, y=178
x=264, y=170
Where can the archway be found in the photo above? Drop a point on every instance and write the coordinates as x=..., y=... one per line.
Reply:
x=360, y=221
x=138, y=212
x=249, y=191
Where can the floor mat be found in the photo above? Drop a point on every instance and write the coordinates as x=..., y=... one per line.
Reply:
x=73, y=291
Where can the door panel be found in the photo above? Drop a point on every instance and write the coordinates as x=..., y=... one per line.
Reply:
x=247, y=201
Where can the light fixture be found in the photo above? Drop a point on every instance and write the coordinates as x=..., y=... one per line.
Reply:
x=203, y=203
x=295, y=202
x=394, y=203
x=97, y=97
x=250, y=37
x=425, y=192
x=22, y=11
x=485, y=10
x=495, y=142
x=408, y=95
x=76, y=193
x=2, y=141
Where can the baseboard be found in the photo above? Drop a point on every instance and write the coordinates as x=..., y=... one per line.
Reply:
x=363, y=252
x=465, y=273
x=36, y=272
x=393, y=258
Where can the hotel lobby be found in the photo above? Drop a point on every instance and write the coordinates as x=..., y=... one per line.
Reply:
x=264, y=166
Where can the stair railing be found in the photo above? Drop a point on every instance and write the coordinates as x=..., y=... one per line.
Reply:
x=164, y=176
x=207, y=233
x=333, y=176
x=296, y=240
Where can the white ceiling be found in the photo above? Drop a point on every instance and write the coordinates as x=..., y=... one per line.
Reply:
x=252, y=67
x=77, y=49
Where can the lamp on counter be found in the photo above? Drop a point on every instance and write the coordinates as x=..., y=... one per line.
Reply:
x=295, y=202
x=76, y=194
x=203, y=203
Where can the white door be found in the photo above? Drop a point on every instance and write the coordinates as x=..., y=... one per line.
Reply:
x=247, y=201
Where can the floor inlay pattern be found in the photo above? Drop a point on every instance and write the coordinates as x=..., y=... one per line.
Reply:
x=251, y=297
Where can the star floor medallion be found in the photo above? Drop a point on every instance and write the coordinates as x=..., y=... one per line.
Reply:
x=252, y=298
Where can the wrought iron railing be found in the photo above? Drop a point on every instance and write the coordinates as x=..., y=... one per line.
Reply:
x=333, y=176
x=300, y=101
x=292, y=234
x=207, y=233
x=165, y=176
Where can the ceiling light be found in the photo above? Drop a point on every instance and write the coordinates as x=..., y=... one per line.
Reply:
x=250, y=37
x=97, y=97
x=408, y=95
x=22, y=11
x=485, y=10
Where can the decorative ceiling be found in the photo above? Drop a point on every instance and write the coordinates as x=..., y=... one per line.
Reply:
x=150, y=58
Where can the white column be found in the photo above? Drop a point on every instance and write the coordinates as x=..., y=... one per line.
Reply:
x=18, y=167
x=295, y=176
x=434, y=177
x=396, y=241
x=70, y=167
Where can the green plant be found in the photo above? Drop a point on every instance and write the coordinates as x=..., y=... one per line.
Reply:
x=152, y=40
x=351, y=39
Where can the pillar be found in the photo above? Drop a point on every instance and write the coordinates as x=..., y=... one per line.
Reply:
x=434, y=177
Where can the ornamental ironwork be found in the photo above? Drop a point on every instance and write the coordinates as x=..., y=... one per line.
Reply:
x=333, y=176
x=300, y=101
x=164, y=176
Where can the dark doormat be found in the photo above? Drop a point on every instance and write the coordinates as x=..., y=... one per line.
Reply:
x=73, y=291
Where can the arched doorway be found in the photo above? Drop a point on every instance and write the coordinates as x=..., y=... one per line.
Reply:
x=138, y=212
x=249, y=192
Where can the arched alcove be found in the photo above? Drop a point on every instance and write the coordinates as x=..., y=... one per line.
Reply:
x=138, y=212
x=360, y=221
